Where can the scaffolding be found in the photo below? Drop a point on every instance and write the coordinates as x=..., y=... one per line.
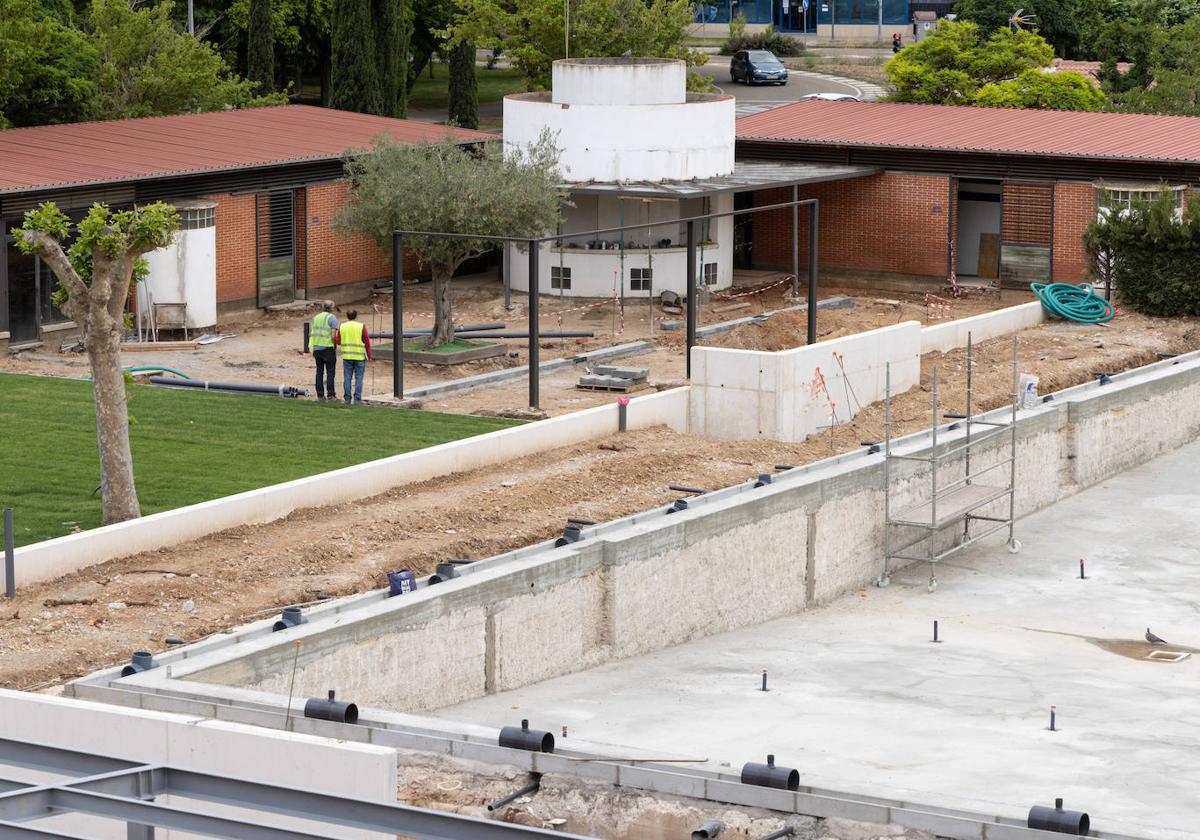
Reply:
x=953, y=503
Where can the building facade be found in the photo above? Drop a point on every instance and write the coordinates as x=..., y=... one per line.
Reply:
x=961, y=191
x=258, y=191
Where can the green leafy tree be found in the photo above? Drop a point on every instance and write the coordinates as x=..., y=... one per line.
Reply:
x=429, y=20
x=1054, y=20
x=95, y=273
x=447, y=187
x=355, y=70
x=146, y=67
x=1037, y=89
x=260, y=49
x=957, y=65
x=532, y=32
x=300, y=31
x=1165, y=72
x=47, y=67
x=464, y=89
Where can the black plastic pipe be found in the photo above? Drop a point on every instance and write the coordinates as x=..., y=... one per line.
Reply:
x=140, y=661
x=331, y=709
x=683, y=488
x=781, y=833
x=532, y=787
x=708, y=830
x=1056, y=819
x=768, y=775
x=524, y=738
x=543, y=334
x=235, y=387
x=10, y=564
x=417, y=331
x=291, y=617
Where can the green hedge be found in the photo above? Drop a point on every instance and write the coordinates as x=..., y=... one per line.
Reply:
x=782, y=45
x=1152, y=252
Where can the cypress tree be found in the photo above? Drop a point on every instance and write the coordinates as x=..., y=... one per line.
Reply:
x=355, y=73
x=392, y=29
x=464, y=90
x=260, y=47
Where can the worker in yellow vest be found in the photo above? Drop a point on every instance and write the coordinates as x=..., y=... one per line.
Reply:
x=321, y=340
x=356, y=350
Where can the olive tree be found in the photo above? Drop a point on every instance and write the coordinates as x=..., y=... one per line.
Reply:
x=95, y=273
x=446, y=187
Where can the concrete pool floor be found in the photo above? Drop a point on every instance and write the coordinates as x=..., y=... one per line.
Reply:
x=861, y=700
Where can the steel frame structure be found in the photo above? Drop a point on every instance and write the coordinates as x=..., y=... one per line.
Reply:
x=120, y=789
x=533, y=243
x=955, y=502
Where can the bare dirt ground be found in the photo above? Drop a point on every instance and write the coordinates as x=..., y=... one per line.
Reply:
x=266, y=348
x=227, y=579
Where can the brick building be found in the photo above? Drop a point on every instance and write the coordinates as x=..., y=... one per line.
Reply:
x=979, y=192
x=268, y=180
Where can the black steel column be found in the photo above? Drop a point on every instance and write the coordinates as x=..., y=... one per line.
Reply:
x=691, y=294
x=534, y=279
x=795, y=241
x=812, y=273
x=398, y=316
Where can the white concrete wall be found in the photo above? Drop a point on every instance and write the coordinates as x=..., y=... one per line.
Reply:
x=953, y=334
x=745, y=393
x=185, y=272
x=303, y=762
x=607, y=81
x=52, y=558
x=624, y=142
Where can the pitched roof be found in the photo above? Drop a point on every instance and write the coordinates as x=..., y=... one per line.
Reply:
x=896, y=125
x=50, y=156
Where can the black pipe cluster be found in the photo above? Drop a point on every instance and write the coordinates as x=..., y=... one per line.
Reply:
x=524, y=738
x=140, y=661
x=292, y=617
x=331, y=709
x=232, y=387
x=1057, y=819
x=768, y=775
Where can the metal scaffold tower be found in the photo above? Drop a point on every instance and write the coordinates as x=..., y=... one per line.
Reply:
x=954, y=503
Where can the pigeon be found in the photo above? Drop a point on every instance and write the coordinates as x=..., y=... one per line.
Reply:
x=1154, y=640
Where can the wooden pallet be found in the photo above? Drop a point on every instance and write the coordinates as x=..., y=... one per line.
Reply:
x=616, y=389
x=147, y=346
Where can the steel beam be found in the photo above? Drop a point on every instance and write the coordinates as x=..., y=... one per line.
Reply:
x=13, y=831
x=57, y=760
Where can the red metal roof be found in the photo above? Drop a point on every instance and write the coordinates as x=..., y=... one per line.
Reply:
x=1077, y=134
x=50, y=156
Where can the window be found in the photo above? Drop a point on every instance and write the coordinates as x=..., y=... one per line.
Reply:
x=710, y=274
x=1126, y=199
x=639, y=279
x=560, y=277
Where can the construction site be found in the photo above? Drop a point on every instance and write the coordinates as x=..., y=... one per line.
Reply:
x=814, y=554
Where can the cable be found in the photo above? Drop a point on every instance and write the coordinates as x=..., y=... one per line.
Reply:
x=1075, y=303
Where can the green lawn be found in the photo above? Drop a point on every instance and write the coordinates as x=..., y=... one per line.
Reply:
x=494, y=85
x=187, y=446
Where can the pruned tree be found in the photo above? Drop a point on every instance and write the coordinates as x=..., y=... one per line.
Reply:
x=95, y=273
x=450, y=188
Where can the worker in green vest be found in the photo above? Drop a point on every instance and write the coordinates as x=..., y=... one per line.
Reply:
x=356, y=350
x=321, y=345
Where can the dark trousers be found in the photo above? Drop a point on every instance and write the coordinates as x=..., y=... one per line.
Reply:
x=326, y=365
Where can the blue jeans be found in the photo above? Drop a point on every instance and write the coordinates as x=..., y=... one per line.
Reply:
x=353, y=369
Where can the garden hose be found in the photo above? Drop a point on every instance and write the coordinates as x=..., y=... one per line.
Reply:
x=1075, y=303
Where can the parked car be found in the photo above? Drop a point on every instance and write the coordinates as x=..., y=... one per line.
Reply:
x=757, y=67
x=832, y=97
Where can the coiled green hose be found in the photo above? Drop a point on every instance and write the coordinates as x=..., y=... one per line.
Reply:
x=1075, y=303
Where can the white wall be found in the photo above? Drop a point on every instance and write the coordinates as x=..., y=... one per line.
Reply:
x=304, y=762
x=53, y=558
x=637, y=81
x=953, y=334
x=186, y=272
x=740, y=394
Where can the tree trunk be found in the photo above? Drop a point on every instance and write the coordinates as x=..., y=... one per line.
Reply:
x=443, y=319
x=118, y=495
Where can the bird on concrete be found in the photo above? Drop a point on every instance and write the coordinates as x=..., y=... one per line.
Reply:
x=1154, y=640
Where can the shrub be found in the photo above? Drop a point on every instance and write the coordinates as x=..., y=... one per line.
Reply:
x=1153, y=253
x=768, y=39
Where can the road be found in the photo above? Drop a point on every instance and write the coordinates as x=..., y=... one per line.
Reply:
x=754, y=98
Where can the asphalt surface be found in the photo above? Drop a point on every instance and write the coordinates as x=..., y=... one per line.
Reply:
x=754, y=98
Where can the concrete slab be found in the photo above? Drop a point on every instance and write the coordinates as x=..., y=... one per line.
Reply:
x=862, y=701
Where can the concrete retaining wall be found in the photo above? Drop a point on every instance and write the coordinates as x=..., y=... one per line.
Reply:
x=953, y=334
x=53, y=558
x=737, y=557
x=791, y=394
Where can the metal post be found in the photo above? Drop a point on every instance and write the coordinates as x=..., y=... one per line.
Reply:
x=307, y=328
x=1012, y=455
x=136, y=831
x=795, y=241
x=10, y=565
x=191, y=22
x=691, y=294
x=534, y=283
x=504, y=249
x=879, y=25
x=887, y=472
x=813, y=221
x=398, y=316
x=967, y=442
x=832, y=20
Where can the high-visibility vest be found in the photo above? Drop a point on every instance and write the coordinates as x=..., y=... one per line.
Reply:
x=353, y=348
x=320, y=335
